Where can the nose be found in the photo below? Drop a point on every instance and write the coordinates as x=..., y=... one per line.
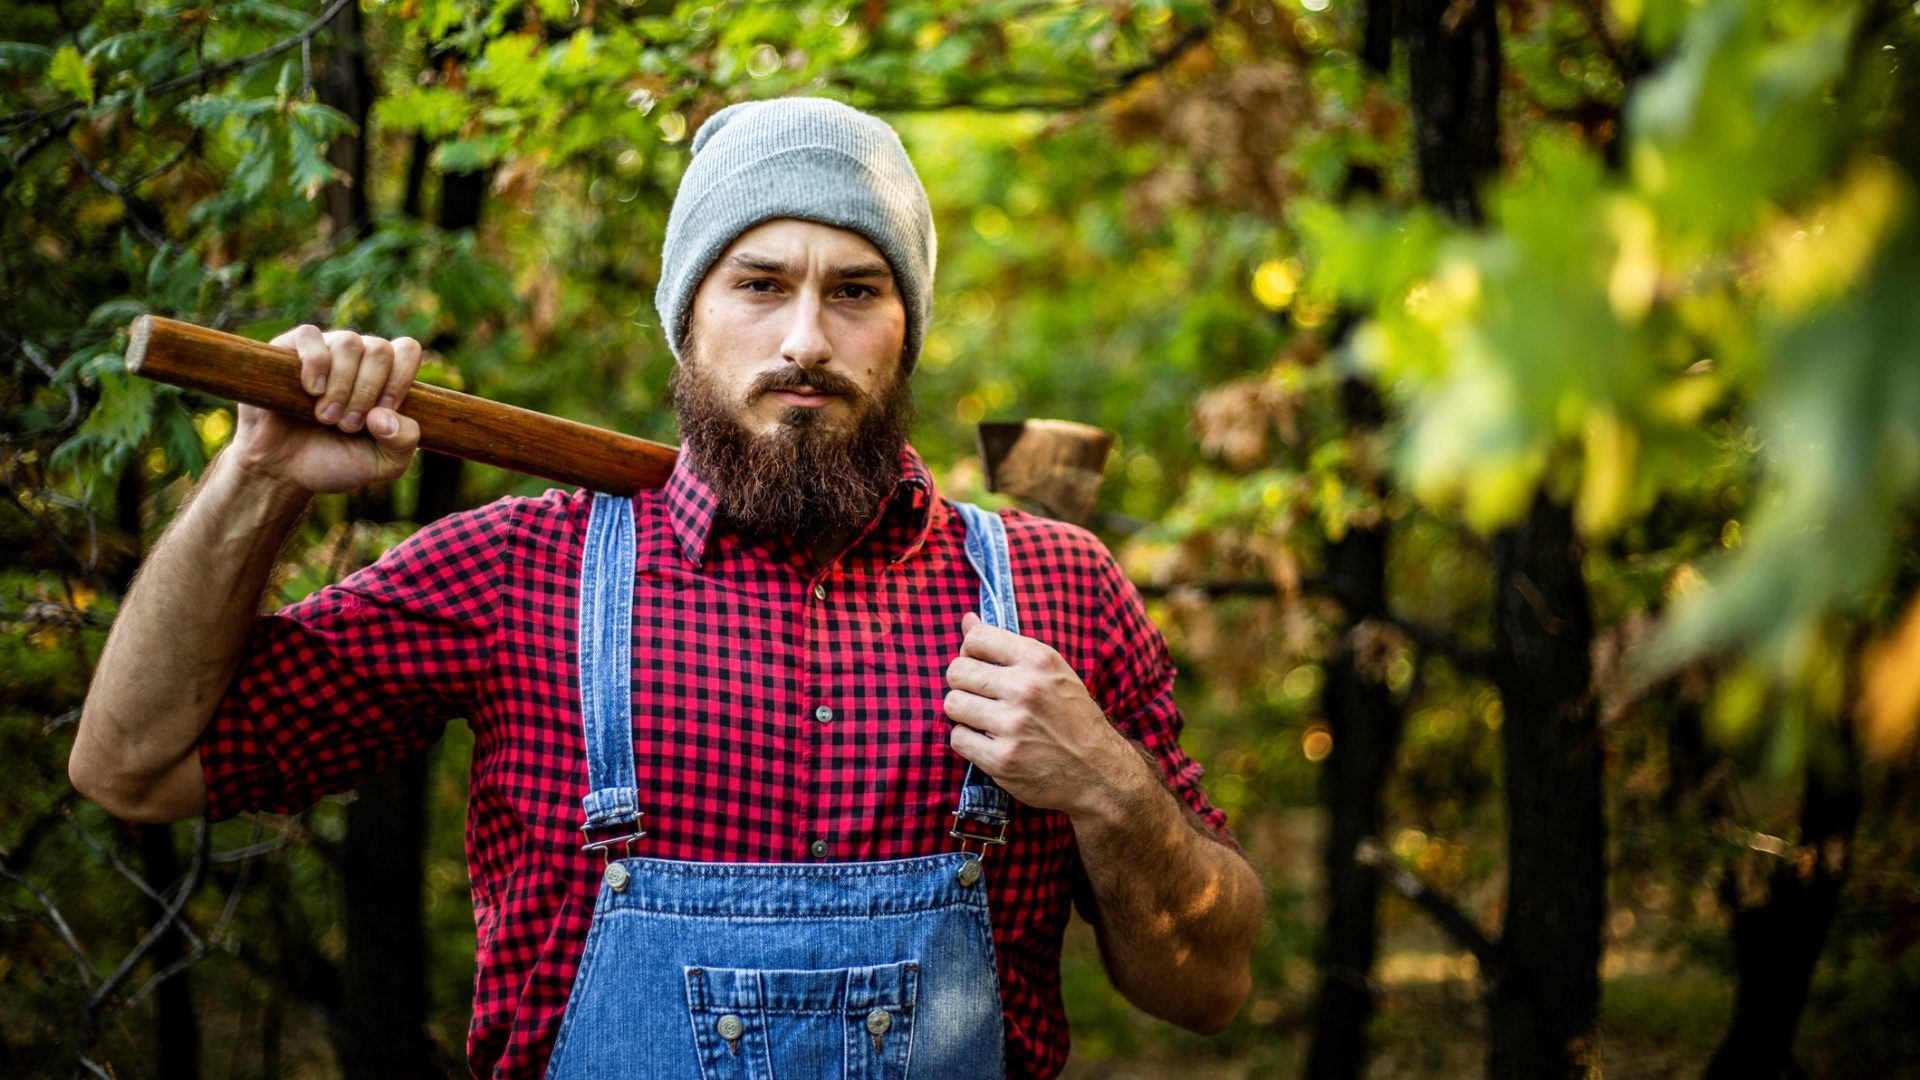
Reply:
x=806, y=342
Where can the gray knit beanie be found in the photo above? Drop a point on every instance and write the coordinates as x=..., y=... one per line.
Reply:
x=807, y=158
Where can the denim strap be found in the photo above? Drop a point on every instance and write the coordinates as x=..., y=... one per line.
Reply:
x=986, y=808
x=606, y=665
x=606, y=662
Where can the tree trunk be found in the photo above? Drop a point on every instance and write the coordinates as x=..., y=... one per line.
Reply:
x=343, y=83
x=383, y=1008
x=1546, y=994
x=381, y=1024
x=1366, y=727
x=1777, y=944
x=1453, y=73
x=177, y=1030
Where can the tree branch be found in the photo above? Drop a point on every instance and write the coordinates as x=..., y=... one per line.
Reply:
x=1463, y=930
x=1119, y=81
x=1471, y=659
x=183, y=892
x=55, y=122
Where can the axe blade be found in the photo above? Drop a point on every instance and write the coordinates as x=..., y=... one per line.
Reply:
x=1056, y=465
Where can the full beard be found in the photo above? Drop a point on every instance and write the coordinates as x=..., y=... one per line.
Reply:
x=804, y=479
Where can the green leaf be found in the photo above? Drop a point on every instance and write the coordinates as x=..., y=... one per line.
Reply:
x=433, y=111
x=118, y=422
x=71, y=72
x=309, y=169
x=469, y=155
x=24, y=57
x=209, y=111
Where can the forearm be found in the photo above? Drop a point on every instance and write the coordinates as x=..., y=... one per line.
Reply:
x=176, y=644
x=1176, y=911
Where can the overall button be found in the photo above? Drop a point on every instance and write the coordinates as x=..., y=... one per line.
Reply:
x=617, y=877
x=878, y=1021
x=823, y=714
x=819, y=849
x=729, y=1027
x=819, y=590
x=969, y=872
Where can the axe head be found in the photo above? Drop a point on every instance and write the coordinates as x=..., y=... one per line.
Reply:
x=1056, y=465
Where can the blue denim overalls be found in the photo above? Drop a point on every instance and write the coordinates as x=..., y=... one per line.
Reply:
x=772, y=970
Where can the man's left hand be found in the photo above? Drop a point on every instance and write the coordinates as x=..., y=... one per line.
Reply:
x=1021, y=714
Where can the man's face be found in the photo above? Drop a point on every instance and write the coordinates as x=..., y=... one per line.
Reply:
x=795, y=323
x=790, y=392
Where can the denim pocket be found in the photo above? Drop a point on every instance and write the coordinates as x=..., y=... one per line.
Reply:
x=853, y=1023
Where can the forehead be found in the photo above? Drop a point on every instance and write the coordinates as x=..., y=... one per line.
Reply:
x=798, y=242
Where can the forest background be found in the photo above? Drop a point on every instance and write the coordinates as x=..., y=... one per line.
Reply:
x=1519, y=426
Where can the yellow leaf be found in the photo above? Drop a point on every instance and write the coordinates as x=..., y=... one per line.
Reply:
x=1819, y=258
x=1636, y=270
x=1607, y=483
x=1890, y=688
x=1275, y=282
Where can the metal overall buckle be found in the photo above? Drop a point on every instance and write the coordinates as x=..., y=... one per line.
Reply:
x=623, y=841
x=985, y=839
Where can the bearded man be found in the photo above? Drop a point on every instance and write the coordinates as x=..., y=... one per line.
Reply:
x=792, y=767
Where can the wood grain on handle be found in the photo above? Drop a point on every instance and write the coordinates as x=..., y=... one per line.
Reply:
x=241, y=369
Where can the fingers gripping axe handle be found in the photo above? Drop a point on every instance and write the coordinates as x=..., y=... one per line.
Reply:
x=254, y=373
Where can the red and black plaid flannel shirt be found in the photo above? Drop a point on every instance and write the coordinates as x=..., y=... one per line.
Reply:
x=774, y=706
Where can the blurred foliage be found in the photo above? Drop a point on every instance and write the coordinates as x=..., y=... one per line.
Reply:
x=1689, y=313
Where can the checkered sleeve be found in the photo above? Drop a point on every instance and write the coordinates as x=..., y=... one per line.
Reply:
x=361, y=674
x=1133, y=682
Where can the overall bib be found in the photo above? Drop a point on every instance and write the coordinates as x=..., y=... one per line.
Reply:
x=792, y=971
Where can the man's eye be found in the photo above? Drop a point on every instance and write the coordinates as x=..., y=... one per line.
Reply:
x=860, y=292
x=758, y=285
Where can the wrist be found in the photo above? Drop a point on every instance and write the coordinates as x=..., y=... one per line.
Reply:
x=1120, y=790
x=239, y=479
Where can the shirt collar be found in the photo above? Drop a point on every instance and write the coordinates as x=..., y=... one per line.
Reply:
x=899, y=528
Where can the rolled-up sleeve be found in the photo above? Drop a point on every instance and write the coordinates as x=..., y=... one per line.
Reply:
x=361, y=674
x=1134, y=683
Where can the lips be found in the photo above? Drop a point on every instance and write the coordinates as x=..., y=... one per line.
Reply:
x=803, y=397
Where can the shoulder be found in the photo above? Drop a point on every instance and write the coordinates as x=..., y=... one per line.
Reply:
x=1056, y=551
x=555, y=519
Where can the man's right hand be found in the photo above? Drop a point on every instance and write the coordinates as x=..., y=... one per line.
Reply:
x=357, y=435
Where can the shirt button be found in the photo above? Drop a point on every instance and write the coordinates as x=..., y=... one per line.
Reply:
x=819, y=849
x=819, y=590
x=823, y=714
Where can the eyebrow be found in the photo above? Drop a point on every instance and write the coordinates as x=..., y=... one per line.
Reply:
x=764, y=264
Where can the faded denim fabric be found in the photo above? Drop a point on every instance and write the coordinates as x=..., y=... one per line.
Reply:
x=793, y=971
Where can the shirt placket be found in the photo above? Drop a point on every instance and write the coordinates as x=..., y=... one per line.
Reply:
x=817, y=708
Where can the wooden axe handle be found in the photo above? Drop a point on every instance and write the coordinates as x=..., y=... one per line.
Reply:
x=241, y=369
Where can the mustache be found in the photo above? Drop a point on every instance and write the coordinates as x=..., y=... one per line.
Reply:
x=818, y=380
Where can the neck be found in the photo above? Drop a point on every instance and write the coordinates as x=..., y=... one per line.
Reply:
x=828, y=548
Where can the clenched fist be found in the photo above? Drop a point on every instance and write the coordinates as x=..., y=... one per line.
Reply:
x=357, y=435
x=1021, y=714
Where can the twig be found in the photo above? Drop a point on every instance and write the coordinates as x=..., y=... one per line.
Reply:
x=1444, y=911
x=1120, y=80
x=133, y=212
x=139, y=882
x=185, y=891
x=218, y=934
x=80, y=961
x=75, y=410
